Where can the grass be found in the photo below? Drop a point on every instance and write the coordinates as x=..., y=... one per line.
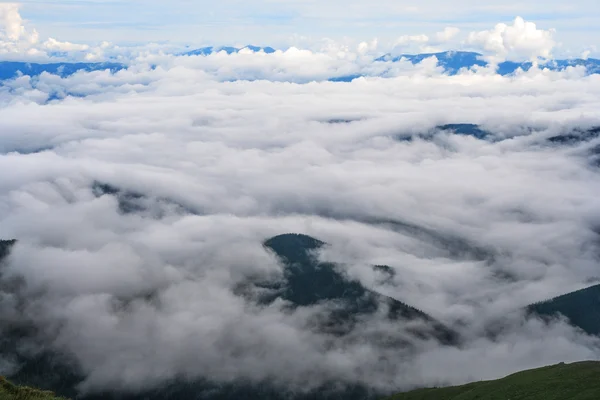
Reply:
x=8, y=391
x=577, y=381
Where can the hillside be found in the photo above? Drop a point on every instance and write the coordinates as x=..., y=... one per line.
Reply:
x=308, y=282
x=8, y=391
x=582, y=308
x=577, y=381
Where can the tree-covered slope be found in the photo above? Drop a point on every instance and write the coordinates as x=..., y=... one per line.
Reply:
x=581, y=308
x=308, y=282
x=577, y=381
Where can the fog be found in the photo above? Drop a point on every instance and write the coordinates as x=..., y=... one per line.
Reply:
x=224, y=152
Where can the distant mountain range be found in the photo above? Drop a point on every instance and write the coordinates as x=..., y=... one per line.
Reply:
x=12, y=69
x=452, y=63
x=204, y=51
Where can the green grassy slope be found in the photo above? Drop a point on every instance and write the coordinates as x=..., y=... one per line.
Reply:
x=8, y=391
x=577, y=381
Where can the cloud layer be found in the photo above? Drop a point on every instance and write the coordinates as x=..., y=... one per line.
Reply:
x=221, y=166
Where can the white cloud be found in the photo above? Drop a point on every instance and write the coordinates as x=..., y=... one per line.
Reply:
x=274, y=22
x=447, y=34
x=53, y=44
x=255, y=159
x=522, y=39
x=11, y=22
x=367, y=47
x=14, y=37
x=405, y=39
x=585, y=55
x=408, y=43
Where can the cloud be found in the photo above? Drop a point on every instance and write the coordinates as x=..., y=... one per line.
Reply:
x=447, y=34
x=365, y=47
x=53, y=44
x=405, y=39
x=268, y=22
x=475, y=229
x=521, y=39
x=19, y=43
x=423, y=43
x=14, y=37
x=12, y=23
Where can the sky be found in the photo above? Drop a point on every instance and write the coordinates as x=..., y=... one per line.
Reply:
x=283, y=23
x=225, y=151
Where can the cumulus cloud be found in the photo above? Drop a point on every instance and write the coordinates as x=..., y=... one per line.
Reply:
x=366, y=47
x=12, y=23
x=14, y=37
x=522, y=39
x=18, y=42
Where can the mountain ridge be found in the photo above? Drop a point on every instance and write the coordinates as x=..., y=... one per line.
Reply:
x=204, y=51
x=452, y=62
x=12, y=69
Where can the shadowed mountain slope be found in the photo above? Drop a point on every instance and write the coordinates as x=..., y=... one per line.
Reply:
x=581, y=308
x=308, y=282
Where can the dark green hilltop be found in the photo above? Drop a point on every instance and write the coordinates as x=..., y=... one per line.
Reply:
x=307, y=282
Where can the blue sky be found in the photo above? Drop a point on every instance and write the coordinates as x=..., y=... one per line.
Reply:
x=278, y=22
